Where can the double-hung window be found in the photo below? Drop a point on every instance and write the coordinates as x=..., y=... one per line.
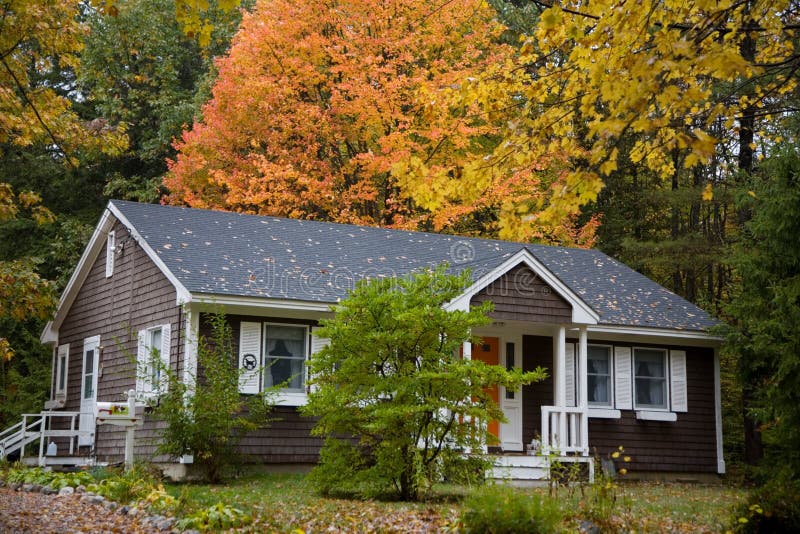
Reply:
x=650, y=379
x=285, y=357
x=598, y=370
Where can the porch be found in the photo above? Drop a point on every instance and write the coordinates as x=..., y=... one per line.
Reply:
x=37, y=438
x=548, y=422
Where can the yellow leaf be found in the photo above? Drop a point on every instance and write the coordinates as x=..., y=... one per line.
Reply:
x=708, y=194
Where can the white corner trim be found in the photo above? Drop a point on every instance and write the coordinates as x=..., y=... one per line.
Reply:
x=582, y=313
x=651, y=415
x=96, y=244
x=183, y=295
x=191, y=326
x=718, y=414
x=604, y=413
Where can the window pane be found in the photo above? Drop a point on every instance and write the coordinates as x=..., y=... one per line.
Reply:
x=89, y=359
x=510, y=362
x=88, y=391
x=285, y=356
x=62, y=373
x=598, y=371
x=650, y=378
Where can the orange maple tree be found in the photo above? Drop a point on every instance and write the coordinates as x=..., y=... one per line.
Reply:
x=318, y=101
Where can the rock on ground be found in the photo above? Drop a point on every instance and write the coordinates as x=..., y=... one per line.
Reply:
x=24, y=512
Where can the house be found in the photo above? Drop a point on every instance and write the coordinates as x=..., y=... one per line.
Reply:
x=630, y=363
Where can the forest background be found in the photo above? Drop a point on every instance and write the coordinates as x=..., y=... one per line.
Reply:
x=663, y=134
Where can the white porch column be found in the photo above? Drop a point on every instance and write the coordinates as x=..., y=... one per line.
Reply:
x=559, y=367
x=560, y=380
x=466, y=350
x=583, y=388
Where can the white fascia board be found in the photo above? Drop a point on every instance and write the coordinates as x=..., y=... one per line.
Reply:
x=582, y=313
x=183, y=295
x=227, y=301
x=90, y=253
x=656, y=335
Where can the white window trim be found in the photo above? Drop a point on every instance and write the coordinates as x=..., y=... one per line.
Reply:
x=286, y=397
x=667, y=379
x=656, y=415
x=144, y=389
x=111, y=247
x=597, y=406
x=604, y=413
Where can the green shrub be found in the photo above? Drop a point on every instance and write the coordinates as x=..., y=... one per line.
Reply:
x=772, y=507
x=501, y=509
x=215, y=517
x=128, y=486
x=37, y=475
x=464, y=470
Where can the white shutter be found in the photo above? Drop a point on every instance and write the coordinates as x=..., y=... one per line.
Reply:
x=317, y=344
x=110, y=247
x=249, y=357
x=142, y=365
x=623, y=378
x=569, y=374
x=165, y=359
x=677, y=379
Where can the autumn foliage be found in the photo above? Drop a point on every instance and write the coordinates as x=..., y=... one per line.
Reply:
x=317, y=102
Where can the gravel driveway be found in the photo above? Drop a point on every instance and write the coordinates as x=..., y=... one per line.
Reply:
x=27, y=512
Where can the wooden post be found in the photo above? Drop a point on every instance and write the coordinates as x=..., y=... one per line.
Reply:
x=129, y=431
x=561, y=384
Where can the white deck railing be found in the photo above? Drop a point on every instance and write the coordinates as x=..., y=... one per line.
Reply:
x=564, y=430
x=38, y=426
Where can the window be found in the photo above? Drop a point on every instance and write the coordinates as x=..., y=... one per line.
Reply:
x=111, y=247
x=152, y=360
x=62, y=368
x=650, y=379
x=285, y=356
x=598, y=370
x=510, y=364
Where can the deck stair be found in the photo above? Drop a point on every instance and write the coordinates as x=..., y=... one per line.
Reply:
x=38, y=429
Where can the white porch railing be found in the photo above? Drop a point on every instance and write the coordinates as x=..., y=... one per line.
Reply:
x=35, y=427
x=564, y=431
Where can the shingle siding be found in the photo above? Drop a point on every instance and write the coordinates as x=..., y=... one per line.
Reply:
x=520, y=295
x=136, y=296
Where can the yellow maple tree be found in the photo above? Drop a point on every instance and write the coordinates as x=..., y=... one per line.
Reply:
x=660, y=72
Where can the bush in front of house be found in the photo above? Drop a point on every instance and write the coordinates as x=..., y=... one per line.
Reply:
x=505, y=510
x=392, y=379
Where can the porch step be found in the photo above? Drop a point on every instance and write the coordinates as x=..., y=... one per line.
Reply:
x=61, y=461
x=519, y=468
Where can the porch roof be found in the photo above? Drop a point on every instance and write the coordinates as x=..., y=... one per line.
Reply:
x=232, y=254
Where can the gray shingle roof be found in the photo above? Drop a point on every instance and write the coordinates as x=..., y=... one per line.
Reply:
x=223, y=253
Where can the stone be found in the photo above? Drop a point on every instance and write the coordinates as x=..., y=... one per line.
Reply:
x=123, y=510
x=80, y=489
x=165, y=523
x=27, y=487
x=66, y=490
x=48, y=490
x=587, y=527
x=111, y=505
x=97, y=499
x=15, y=486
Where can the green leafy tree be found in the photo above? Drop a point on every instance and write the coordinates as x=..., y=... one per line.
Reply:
x=207, y=416
x=392, y=379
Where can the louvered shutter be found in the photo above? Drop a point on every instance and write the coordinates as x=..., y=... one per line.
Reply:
x=62, y=372
x=142, y=365
x=317, y=344
x=569, y=374
x=677, y=379
x=623, y=378
x=249, y=357
x=165, y=360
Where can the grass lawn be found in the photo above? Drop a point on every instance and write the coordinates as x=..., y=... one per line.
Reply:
x=286, y=503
